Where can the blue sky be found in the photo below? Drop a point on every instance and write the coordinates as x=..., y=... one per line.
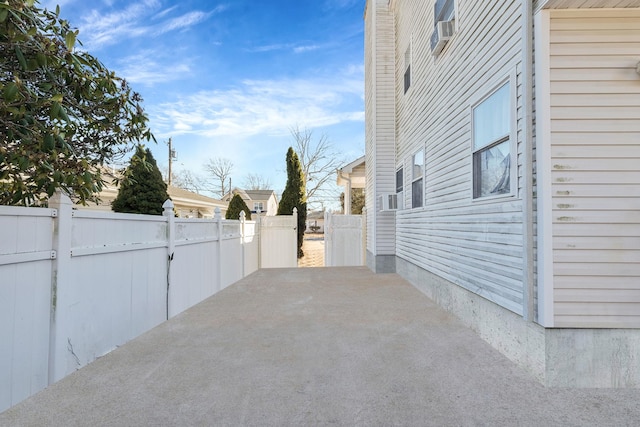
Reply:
x=230, y=78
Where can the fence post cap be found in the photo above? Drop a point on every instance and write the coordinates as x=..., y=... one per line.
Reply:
x=168, y=204
x=243, y=215
x=217, y=213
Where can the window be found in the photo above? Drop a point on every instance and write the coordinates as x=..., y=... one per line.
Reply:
x=417, y=174
x=444, y=10
x=492, y=144
x=444, y=16
x=257, y=206
x=400, y=188
x=407, y=67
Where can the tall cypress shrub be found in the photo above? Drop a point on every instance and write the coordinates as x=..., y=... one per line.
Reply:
x=143, y=191
x=294, y=195
x=237, y=205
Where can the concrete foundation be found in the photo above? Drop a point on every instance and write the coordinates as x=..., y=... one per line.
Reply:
x=602, y=358
x=593, y=358
x=381, y=263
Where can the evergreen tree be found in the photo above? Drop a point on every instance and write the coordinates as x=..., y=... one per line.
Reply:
x=237, y=205
x=63, y=115
x=143, y=191
x=294, y=195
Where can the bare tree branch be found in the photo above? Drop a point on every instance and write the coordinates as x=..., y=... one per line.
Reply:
x=219, y=170
x=256, y=182
x=319, y=164
x=187, y=180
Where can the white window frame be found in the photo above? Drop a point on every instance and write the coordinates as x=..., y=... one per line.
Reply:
x=408, y=59
x=512, y=139
x=258, y=206
x=451, y=17
x=415, y=178
x=400, y=188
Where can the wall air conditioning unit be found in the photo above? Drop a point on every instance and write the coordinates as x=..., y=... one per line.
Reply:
x=388, y=202
x=441, y=35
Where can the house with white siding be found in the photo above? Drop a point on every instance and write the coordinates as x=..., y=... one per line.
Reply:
x=263, y=201
x=503, y=173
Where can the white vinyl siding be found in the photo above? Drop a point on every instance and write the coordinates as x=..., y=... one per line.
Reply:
x=379, y=125
x=595, y=167
x=476, y=245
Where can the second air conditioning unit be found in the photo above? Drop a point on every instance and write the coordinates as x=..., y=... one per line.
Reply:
x=441, y=35
x=388, y=202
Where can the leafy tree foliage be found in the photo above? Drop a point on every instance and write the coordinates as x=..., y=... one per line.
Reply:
x=62, y=113
x=357, y=201
x=294, y=196
x=237, y=205
x=145, y=191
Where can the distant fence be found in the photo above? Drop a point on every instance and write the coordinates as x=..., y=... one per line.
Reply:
x=75, y=285
x=344, y=243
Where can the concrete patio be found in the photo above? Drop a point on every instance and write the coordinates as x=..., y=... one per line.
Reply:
x=315, y=346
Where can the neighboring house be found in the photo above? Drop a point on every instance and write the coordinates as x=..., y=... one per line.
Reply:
x=187, y=204
x=315, y=219
x=351, y=176
x=264, y=201
x=192, y=205
x=524, y=223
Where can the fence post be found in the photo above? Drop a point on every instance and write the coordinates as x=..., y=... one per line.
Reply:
x=364, y=235
x=243, y=217
x=258, y=233
x=295, y=227
x=168, y=212
x=218, y=217
x=61, y=287
x=327, y=239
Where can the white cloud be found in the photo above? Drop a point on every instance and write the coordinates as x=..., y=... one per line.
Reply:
x=302, y=49
x=99, y=29
x=184, y=21
x=295, y=48
x=268, y=107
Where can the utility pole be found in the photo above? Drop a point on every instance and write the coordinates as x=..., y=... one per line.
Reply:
x=172, y=156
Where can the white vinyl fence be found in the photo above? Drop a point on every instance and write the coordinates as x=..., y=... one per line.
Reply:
x=278, y=241
x=344, y=243
x=75, y=284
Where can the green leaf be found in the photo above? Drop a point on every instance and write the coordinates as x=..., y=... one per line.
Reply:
x=10, y=92
x=42, y=59
x=3, y=14
x=23, y=62
x=63, y=114
x=49, y=142
x=70, y=39
x=57, y=97
x=30, y=3
x=55, y=110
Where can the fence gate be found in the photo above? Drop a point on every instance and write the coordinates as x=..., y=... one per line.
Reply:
x=344, y=240
x=278, y=241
